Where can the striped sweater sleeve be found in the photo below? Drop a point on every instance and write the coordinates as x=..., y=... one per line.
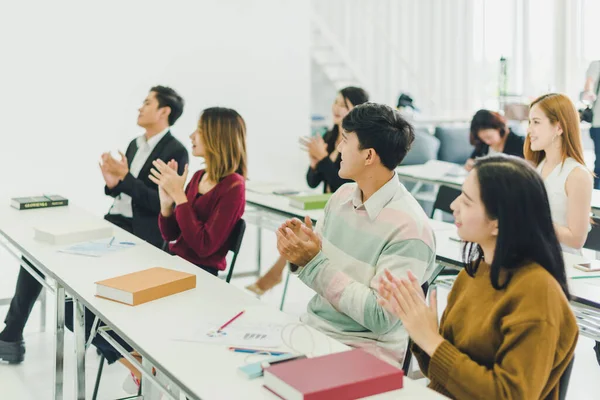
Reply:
x=358, y=300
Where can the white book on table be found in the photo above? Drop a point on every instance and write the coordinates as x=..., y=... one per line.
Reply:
x=73, y=232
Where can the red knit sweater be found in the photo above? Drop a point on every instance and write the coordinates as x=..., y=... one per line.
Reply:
x=202, y=226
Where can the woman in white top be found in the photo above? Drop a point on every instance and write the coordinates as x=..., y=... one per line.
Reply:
x=553, y=144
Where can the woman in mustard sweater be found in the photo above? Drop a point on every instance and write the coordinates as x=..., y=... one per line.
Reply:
x=508, y=331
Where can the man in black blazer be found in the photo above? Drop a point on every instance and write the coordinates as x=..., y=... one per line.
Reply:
x=136, y=204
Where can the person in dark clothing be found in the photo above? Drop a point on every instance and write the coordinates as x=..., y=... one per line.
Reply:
x=325, y=162
x=490, y=134
x=135, y=209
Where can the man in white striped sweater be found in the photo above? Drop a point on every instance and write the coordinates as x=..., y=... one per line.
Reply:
x=369, y=226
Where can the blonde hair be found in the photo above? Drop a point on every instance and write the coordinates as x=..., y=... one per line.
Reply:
x=223, y=133
x=559, y=109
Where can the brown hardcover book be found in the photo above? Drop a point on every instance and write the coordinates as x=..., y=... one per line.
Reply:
x=144, y=286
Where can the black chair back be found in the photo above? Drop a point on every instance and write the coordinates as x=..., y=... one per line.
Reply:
x=563, y=383
x=235, y=242
x=445, y=196
x=593, y=239
x=408, y=354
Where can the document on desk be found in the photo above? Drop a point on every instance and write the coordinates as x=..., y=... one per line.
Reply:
x=97, y=248
x=436, y=169
x=242, y=334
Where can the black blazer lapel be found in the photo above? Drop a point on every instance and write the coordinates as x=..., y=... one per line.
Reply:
x=145, y=171
x=131, y=151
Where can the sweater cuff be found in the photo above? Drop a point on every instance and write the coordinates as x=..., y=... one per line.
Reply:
x=182, y=213
x=442, y=362
x=322, y=163
x=311, y=264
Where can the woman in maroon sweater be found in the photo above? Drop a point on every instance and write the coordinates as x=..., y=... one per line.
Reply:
x=198, y=221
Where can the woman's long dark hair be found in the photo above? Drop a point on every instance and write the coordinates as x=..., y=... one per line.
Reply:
x=352, y=96
x=513, y=193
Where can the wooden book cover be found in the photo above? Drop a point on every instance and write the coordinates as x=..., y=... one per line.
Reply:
x=144, y=286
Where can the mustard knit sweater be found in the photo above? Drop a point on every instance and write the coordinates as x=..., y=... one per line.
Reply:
x=513, y=343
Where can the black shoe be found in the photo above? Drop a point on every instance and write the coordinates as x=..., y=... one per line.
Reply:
x=12, y=352
x=597, y=350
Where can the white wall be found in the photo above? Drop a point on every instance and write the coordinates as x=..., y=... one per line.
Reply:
x=446, y=52
x=424, y=48
x=74, y=73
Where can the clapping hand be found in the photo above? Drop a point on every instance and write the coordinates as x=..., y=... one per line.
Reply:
x=111, y=171
x=118, y=168
x=315, y=147
x=167, y=179
x=297, y=242
x=406, y=300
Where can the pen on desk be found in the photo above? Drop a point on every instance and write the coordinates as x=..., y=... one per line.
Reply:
x=111, y=242
x=585, y=277
x=455, y=239
x=253, y=351
x=231, y=320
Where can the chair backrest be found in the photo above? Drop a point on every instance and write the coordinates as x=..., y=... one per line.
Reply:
x=424, y=148
x=408, y=354
x=445, y=196
x=235, y=242
x=454, y=143
x=593, y=239
x=563, y=383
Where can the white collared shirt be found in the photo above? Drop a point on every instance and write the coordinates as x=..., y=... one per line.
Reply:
x=378, y=200
x=122, y=204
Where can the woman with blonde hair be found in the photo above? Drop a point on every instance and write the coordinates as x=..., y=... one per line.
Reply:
x=198, y=221
x=553, y=145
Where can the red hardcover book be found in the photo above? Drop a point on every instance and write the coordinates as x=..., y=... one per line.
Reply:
x=340, y=376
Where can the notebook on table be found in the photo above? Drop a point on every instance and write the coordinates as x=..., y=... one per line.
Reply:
x=310, y=202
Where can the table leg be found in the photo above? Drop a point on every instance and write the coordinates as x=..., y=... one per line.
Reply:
x=258, y=249
x=79, y=328
x=59, y=342
x=416, y=188
x=43, y=298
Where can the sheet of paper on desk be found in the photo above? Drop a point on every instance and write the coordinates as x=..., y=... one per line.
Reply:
x=97, y=248
x=263, y=187
x=237, y=334
x=457, y=172
x=437, y=169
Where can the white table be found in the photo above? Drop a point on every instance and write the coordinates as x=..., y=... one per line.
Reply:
x=197, y=370
x=437, y=172
x=434, y=172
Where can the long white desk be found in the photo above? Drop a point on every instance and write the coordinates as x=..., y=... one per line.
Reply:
x=434, y=172
x=196, y=370
x=443, y=173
